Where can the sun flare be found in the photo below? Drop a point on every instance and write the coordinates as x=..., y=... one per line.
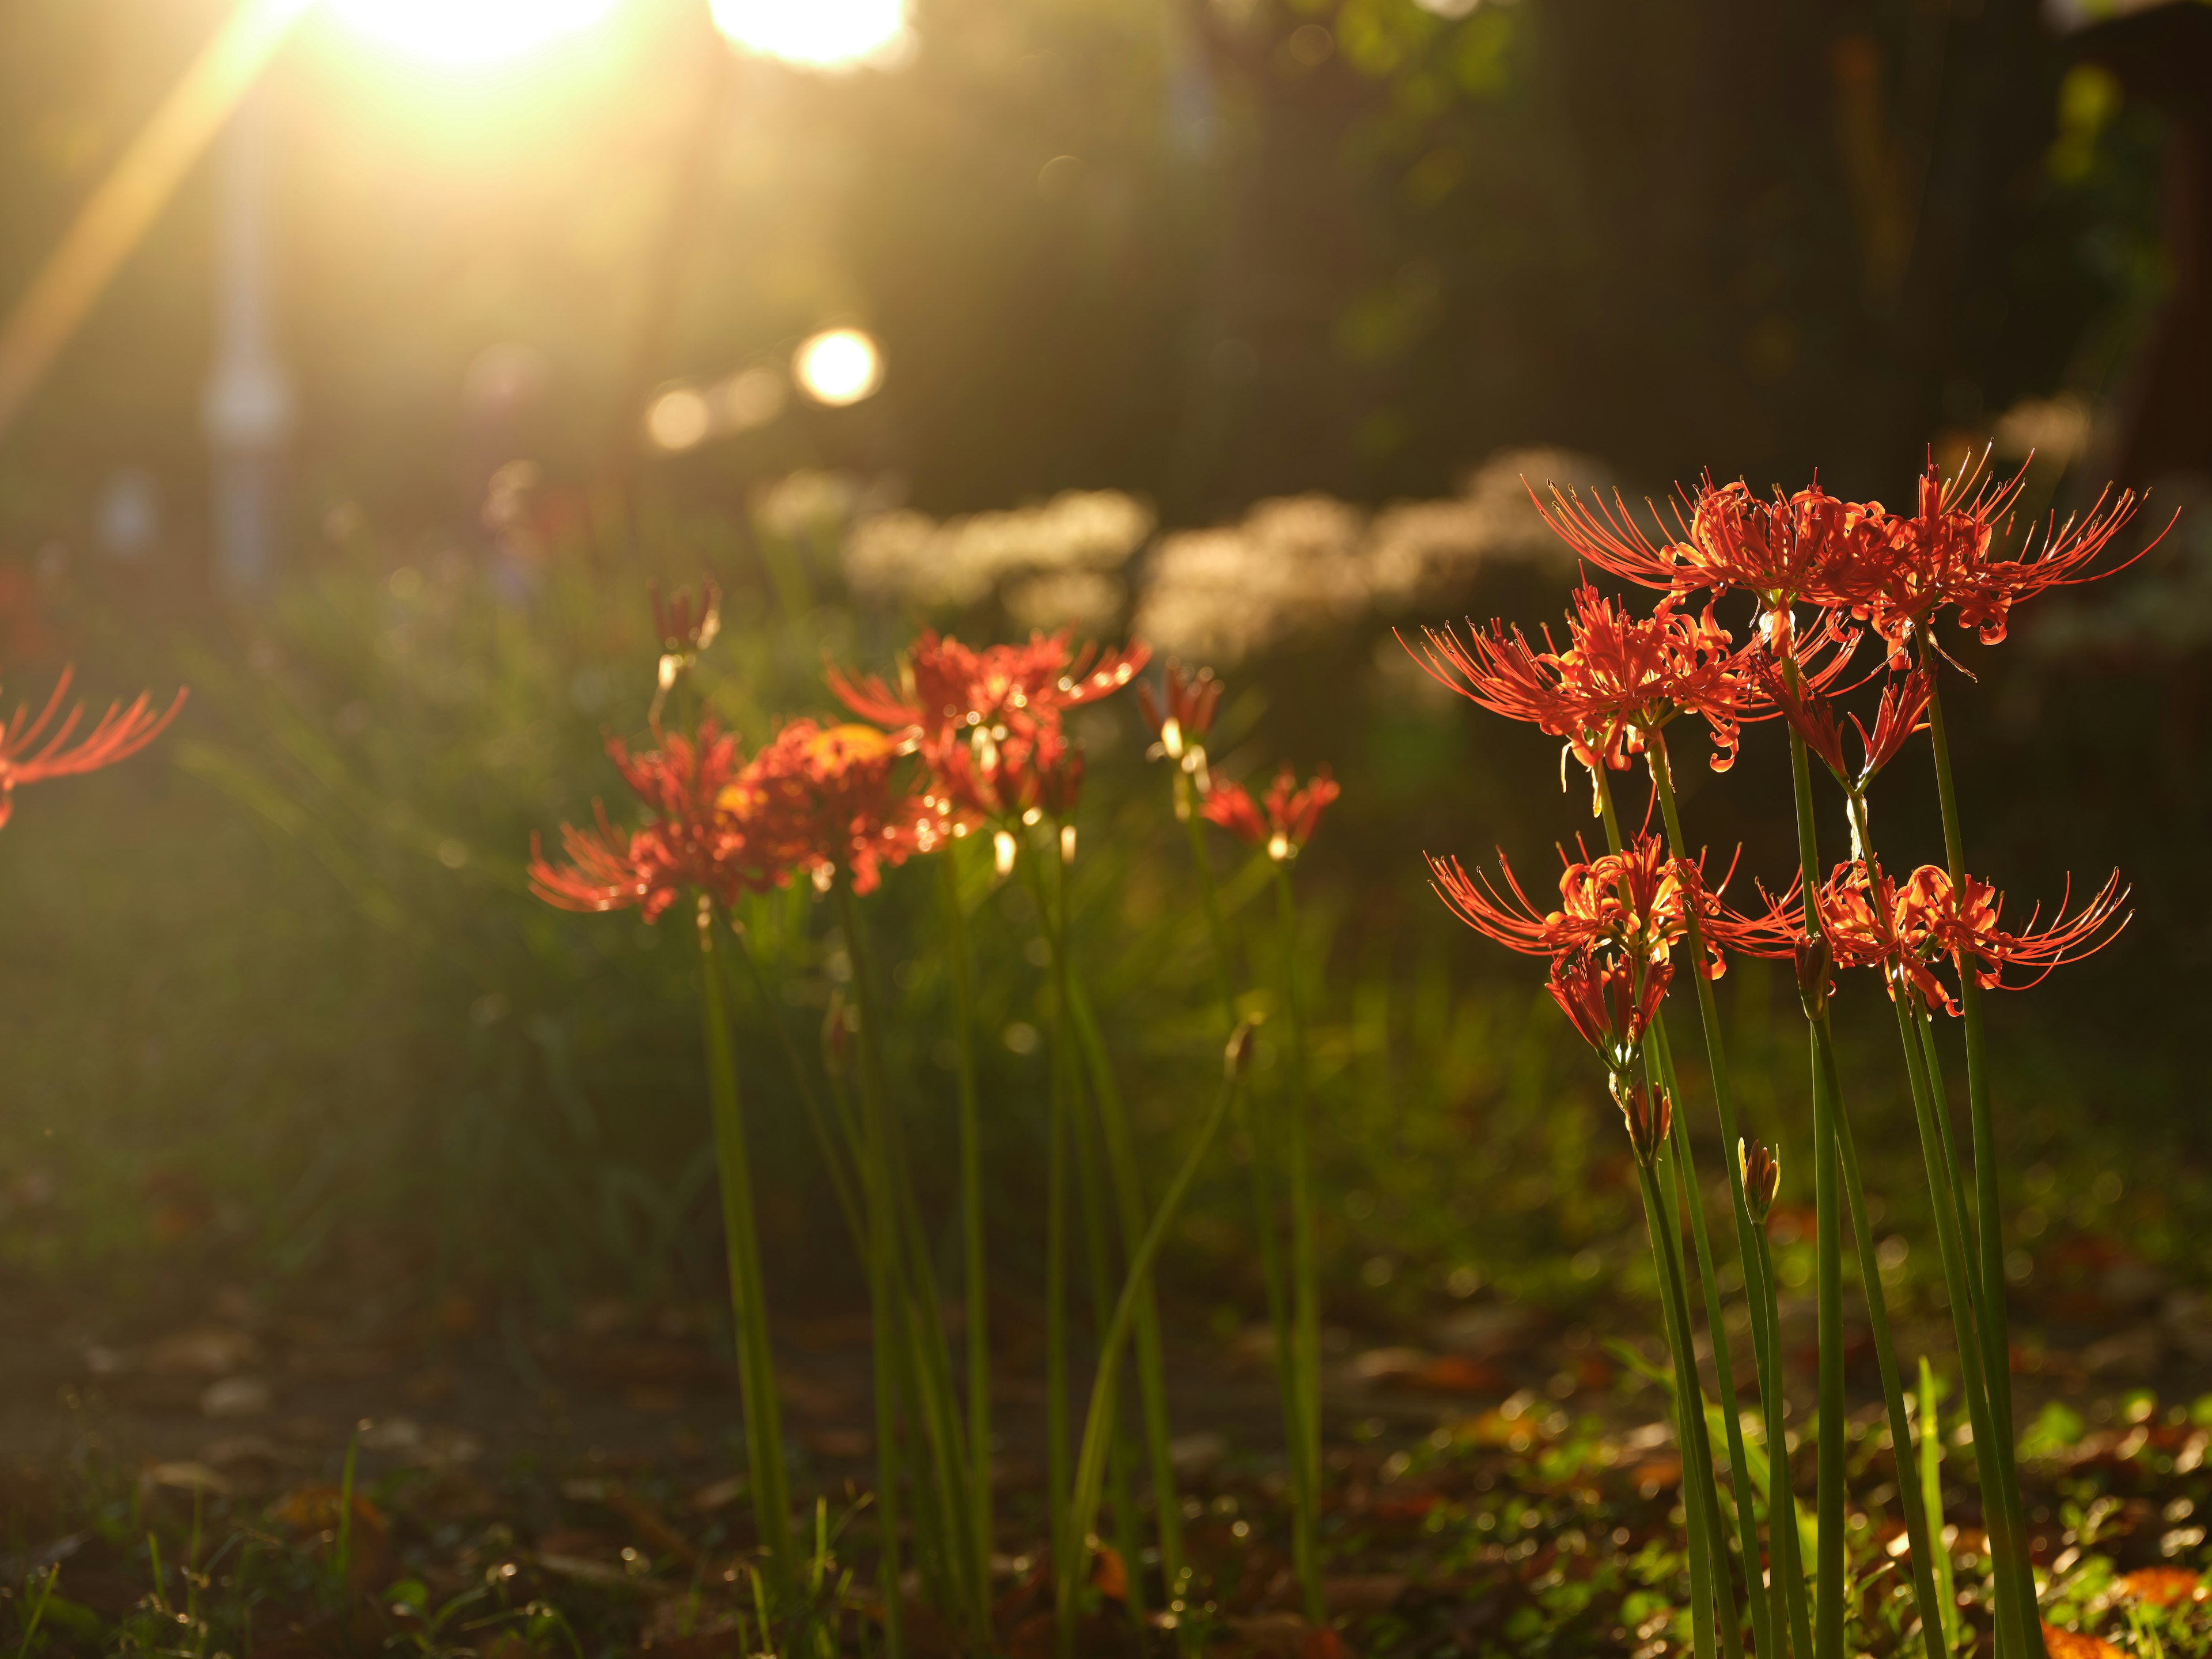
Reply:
x=470, y=30
x=830, y=34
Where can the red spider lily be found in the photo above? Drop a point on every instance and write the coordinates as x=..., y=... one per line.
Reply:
x=1807, y=546
x=1610, y=1002
x=987, y=723
x=1621, y=677
x=1867, y=921
x=694, y=841
x=1936, y=917
x=948, y=684
x=34, y=751
x=1187, y=712
x=1637, y=901
x=1897, y=718
x=1292, y=813
x=1941, y=556
x=821, y=800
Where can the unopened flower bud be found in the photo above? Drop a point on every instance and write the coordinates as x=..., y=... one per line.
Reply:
x=1814, y=959
x=1762, y=1178
x=1647, y=1112
x=1236, y=1059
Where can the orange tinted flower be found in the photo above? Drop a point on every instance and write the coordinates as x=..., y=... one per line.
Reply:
x=1610, y=1002
x=1786, y=549
x=1637, y=901
x=987, y=723
x=1185, y=713
x=1620, y=677
x=36, y=751
x=1938, y=918
x=821, y=798
x=1292, y=812
x=1942, y=557
x=694, y=841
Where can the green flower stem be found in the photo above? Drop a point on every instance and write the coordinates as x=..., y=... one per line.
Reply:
x=1931, y=1487
x=2004, y=1557
x=771, y=1486
x=1305, y=1272
x=1993, y=1461
x=1924, y=1547
x=1266, y=1223
x=1097, y=1252
x=1683, y=1198
x=942, y=1509
x=975, y=1259
x=1788, y=1573
x=840, y=1161
x=1827, y=1205
x=1756, y=1292
x=1090, y=1467
x=1747, y=1513
x=1058, y=1476
x=1996, y=1337
x=1689, y=1415
x=1150, y=1347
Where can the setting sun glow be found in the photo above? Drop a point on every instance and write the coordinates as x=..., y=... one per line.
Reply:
x=470, y=30
x=821, y=33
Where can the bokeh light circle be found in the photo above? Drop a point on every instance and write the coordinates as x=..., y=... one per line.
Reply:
x=837, y=367
x=679, y=419
x=470, y=30
x=829, y=34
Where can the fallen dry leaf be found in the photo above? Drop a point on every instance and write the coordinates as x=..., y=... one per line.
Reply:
x=2165, y=1587
x=2070, y=1644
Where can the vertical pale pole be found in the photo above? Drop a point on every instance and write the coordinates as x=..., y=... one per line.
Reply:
x=247, y=410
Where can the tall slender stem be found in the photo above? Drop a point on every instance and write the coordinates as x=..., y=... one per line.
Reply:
x=1787, y=1573
x=1689, y=1417
x=1662, y=777
x=1909, y=1498
x=1707, y=1485
x=1305, y=1270
x=1996, y=1339
x=1265, y=1224
x=771, y=1489
x=960, y=1581
x=974, y=1239
x=1097, y=1426
x=1150, y=1345
x=1827, y=1205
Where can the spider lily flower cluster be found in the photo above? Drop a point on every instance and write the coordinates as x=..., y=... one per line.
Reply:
x=960, y=744
x=1823, y=576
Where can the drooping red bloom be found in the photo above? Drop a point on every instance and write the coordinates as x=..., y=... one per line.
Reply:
x=1610, y=1001
x=684, y=627
x=1637, y=902
x=692, y=842
x=987, y=723
x=1900, y=714
x=823, y=798
x=1941, y=556
x=37, y=750
x=1185, y=713
x=1292, y=813
x=1621, y=677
